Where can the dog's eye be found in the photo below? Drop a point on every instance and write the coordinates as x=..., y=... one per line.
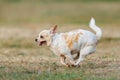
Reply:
x=41, y=36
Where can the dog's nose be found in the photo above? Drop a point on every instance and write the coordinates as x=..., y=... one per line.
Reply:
x=36, y=40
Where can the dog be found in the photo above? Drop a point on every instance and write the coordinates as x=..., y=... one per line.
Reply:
x=80, y=42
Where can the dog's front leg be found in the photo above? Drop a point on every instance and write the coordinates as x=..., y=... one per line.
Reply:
x=72, y=61
x=62, y=60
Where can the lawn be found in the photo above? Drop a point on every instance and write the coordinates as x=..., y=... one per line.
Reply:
x=22, y=59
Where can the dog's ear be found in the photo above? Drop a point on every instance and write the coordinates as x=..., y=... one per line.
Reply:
x=53, y=29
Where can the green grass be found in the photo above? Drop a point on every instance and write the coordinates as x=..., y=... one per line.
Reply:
x=68, y=74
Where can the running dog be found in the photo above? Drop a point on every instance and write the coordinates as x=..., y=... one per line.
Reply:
x=65, y=45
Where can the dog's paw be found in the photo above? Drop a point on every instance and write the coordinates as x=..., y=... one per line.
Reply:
x=67, y=65
x=75, y=65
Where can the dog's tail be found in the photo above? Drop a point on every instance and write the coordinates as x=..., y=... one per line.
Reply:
x=95, y=28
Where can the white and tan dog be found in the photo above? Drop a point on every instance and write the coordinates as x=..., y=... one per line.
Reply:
x=79, y=42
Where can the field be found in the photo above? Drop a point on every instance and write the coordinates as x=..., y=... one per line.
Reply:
x=22, y=59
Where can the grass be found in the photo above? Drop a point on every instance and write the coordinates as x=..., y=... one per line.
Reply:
x=22, y=59
x=31, y=71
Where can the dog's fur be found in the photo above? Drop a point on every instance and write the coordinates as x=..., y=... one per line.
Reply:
x=79, y=42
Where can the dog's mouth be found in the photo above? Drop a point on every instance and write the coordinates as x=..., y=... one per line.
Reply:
x=42, y=42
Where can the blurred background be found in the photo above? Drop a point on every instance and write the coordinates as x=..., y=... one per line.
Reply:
x=17, y=12
x=22, y=20
x=44, y=13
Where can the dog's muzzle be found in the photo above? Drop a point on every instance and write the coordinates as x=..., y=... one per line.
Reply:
x=41, y=43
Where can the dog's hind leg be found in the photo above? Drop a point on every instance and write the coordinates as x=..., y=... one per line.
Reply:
x=84, y=52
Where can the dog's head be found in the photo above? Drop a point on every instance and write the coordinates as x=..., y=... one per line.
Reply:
x=45, y=36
